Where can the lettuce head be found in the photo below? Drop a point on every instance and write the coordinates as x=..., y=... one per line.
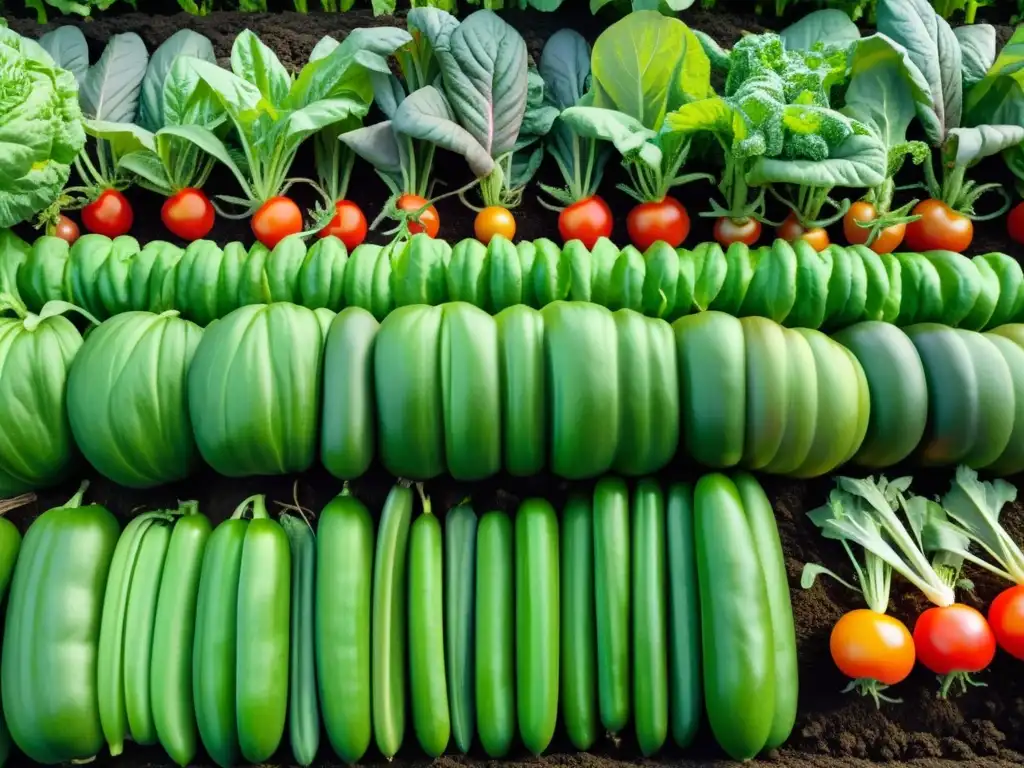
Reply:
x=41, y=129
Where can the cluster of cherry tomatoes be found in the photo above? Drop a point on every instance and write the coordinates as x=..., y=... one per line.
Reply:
x=954, y=641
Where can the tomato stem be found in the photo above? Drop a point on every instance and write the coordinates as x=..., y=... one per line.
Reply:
x=961, y=679
x=866, y=686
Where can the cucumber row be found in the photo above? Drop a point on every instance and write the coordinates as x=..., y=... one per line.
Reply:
x=790, y=283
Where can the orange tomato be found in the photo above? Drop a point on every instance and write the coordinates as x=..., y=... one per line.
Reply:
x=792, y=230
x=872, y=646
x=494, y=220
x=888, y=240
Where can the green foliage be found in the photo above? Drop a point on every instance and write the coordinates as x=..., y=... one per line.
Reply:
x=41, y=124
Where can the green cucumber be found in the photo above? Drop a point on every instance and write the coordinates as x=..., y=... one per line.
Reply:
x=459, y=581
x=578, y=687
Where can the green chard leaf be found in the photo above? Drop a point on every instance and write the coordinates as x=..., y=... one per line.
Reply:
x=111, y=87
x=184, y=42
x=67, y=46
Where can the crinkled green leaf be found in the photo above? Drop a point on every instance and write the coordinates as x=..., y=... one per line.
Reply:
x=858, y=162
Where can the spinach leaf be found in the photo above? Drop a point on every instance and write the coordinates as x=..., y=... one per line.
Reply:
x=111, y=87
x=184, y=42
x=829, y=27
x=68, y=49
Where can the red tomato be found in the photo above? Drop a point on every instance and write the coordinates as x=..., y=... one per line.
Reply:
x=872, y=646
x=888, y=240
x=954, y=639
x=586, y=220
x=792, y=230
x=66, y=229
x=494, y=220
x=110, y=214
x=665, y=220
x=729, y=231
x=1006, y=617
x=1015, y=223
x=429, y=221
x=188, y=214
x=940, y=228
x=275, y=220
x=348, y=224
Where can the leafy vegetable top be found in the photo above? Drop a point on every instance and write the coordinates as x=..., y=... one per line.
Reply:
x=40, y=127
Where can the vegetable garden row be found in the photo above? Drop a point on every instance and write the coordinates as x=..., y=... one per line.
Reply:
x=804, y=117
x=609, y=594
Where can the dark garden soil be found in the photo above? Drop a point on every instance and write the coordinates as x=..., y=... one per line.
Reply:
x=986, y=724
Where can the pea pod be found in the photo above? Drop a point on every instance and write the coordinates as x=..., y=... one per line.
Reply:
x=578, y=687
x=495, y=634
x=894, y=301
x=650, y=631
x=42, y=276
x=467, y=274
x=583, y=397
x=174, y=634
x=113, y=278
x=813, y=270
x=627, y=281
x=877, y=282
x=739, y=273
x=85, y=261
x=685, y=685
x=263, y=655
x=527, y=252
x=801, y=408
x=460, y=531
x=470, y=391
x=216, y=639
x=196, y=284
x=769, y=378
x=110, y=664
x=153, y=277
x=960, y=288
x=537, y=617
x=140, y=622
x=504, y=275
x=612, y=599
x=428, y=686
x=661, y=280
x=922, y=289
x=523, y=390
x=550, y=274
x=48, y=669
x=282, y=268
x=710, y=270
x=849, y=281
x=761, y=519
x=419, y=271
x=389, y=621
x=991, y=308
x=322, y=276
x=773, y=287
x=603, y=257
x=736, y=624
x=344, y=582
x=685, y=286
x=1010, y=276
x=348, y=432
x=580, y=264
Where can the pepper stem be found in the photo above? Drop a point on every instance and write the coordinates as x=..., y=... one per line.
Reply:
x=424, y=499
x=76, y=500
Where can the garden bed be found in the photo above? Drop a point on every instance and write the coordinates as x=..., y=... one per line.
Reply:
x=831, y=728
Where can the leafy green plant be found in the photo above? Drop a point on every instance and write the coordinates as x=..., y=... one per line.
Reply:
x=109, y=95
x=404, y=162
x=947, y=9
x=953, y=65
x=201, y=8
x=644, y=67
x=273, y=113
x=565, y=68
x=41, y=123
x=157, y=150
x=70, y=7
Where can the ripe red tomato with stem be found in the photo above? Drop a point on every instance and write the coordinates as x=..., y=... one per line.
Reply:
x=940, y=228
x=348, y=225
x=888, y=240
x=189, y=214
x=110, y=214
x=587, y=220
x=954, y=642
x=1006, y=618
x=429, y=221
x=873, y=649
x=275, y=220
x=745, y=230
x=666, y=220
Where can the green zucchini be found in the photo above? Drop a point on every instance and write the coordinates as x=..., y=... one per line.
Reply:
x=428, y=686
x=389, y=621
x=612, y=598
x=344, y=585
x=537, y=616
x=303, y=707
x=685, y=686
x=495, y=634
x=578, y=686
x=460, y=531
